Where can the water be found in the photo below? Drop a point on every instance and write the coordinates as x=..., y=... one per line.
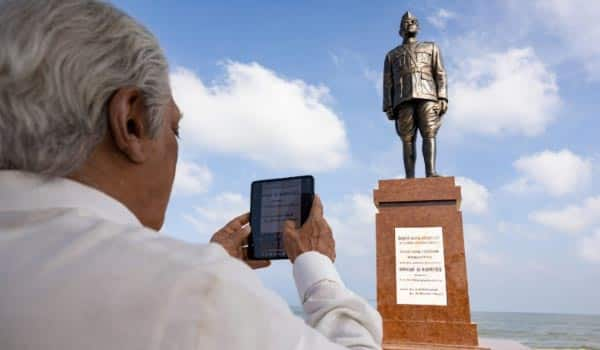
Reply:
x=541, y=331
x=538, y=331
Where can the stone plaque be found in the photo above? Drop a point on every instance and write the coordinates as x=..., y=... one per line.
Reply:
x=420, y=269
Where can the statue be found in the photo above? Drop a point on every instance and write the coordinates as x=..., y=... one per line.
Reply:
x=415, y=94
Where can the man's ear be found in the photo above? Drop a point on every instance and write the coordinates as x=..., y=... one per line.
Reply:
x=126, y=121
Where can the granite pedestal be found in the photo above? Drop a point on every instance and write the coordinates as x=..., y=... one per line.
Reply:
x=423, y=203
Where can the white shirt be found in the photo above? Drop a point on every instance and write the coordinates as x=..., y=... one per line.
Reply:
x=79, y=271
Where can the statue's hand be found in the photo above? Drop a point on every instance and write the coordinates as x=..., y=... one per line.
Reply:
x=443, y=107
x=390, y=114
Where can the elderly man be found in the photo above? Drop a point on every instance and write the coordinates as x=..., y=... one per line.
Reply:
x=88, y=147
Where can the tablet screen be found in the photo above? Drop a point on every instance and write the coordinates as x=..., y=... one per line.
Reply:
x=272, y=203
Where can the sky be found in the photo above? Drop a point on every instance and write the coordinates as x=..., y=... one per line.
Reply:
x=283, y=88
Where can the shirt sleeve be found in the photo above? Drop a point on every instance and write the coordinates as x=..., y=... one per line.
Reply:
x=332, y=309
x=224, y=305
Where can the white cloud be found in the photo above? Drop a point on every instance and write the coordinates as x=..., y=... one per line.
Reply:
x=261, y=116
x=440, y=18
x=521, y=230
x=191, y=178
x=363, y=208
x=336, y=59
x=571, y=219
x=475, y=238
x=557, y=173
x=353, y=225
x=475, y=196
x=575, y=23
x=352, y=220
x=489, y=259
x=589, y=247
x=511, y=92
x=216, y=212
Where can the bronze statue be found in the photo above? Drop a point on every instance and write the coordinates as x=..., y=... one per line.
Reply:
x=415, y=94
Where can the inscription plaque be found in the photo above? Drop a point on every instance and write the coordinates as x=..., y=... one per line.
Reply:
x=420, y=269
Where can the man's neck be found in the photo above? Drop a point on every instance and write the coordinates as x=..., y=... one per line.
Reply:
x=105, y=175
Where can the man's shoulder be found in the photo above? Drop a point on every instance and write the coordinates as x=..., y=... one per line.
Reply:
x=114, y=275
x=145, y=261
x=145, y=243
x=197, y=263
x=124, y=249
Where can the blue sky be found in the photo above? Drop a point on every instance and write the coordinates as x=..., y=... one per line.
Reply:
x=282, y=88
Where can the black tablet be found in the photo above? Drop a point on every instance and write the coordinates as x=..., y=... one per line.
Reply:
x=272, y=202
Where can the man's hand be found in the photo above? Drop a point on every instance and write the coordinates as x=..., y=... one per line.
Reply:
x=442, y=107
x=234, y=238
x=314, y=235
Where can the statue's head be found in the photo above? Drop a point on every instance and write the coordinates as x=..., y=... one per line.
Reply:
x=409, y=25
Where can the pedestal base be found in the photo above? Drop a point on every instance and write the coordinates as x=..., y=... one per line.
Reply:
x=423, y=203
x=422, y=346
x=431, y=332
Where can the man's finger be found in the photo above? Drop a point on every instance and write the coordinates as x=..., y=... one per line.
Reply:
x=258, y=264
x=289, y=224
x=327, y=228
x=240, y=236
x=316, y=210
x=289, y=230
x=240, y=220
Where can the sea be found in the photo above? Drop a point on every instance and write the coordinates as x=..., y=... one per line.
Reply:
x=541, y=331
x=537, y=331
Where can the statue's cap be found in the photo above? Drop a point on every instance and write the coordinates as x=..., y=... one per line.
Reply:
x=407, y=15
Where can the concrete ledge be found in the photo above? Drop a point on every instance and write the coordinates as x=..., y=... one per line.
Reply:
x=484, y=343
x=501, y=344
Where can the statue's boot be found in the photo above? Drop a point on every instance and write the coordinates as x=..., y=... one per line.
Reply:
x=429, y=151
x=410, y=157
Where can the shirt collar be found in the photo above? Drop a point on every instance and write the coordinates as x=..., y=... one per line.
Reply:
x=25, y=191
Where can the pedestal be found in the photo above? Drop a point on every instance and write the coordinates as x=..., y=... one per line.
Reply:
x=426, y=204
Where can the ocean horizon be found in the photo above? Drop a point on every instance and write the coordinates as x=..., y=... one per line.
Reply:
x=539, y=331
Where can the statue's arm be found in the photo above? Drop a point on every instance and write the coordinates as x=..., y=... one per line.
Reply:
x=439, y=73
x=388, y=85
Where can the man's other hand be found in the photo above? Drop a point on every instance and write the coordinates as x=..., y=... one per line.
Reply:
x=314, y=235
x=234, y=238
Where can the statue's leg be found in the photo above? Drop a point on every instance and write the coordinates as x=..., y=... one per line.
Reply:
x=407, y=130
x=429, y=124
x=429, y=153
x=410, y=157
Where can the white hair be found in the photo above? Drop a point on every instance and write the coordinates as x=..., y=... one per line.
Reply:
x=60, y=63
